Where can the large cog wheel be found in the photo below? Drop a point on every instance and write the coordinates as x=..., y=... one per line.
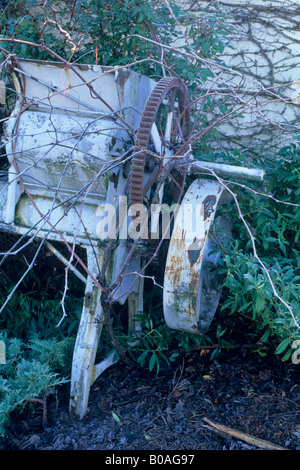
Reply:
x=165, y=125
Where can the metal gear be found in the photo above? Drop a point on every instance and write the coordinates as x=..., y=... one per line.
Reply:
x=156, y=117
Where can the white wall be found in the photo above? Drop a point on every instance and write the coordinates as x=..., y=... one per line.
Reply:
x=265, y=40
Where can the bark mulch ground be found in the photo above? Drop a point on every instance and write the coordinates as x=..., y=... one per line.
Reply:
x=232, y=403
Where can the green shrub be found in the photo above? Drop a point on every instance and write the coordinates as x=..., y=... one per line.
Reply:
x=29, y=372
x=275, y=226
x=38, y=354
x=34, y=310
x=116, y=33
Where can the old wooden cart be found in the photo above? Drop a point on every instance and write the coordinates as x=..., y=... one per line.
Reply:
x=85, y=145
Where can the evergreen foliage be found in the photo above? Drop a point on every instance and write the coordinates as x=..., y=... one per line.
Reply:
x=29, y=372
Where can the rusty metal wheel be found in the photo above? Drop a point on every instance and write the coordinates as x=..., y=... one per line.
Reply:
x=192, y=283
x=163, y=131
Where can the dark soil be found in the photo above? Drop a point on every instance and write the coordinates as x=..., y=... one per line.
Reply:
x=139, y=410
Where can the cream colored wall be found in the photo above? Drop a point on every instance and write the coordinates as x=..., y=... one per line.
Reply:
x=265, y=49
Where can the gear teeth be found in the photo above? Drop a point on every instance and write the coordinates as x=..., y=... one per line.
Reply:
x=143, y=135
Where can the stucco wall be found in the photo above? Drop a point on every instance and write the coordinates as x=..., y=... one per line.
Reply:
x=265, y=51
